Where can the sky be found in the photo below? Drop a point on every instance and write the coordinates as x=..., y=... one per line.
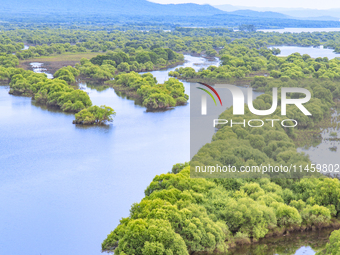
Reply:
x=310, y=4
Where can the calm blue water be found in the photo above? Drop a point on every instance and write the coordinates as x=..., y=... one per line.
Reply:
x=301, y=29
x=314, y=52
x=63, y=187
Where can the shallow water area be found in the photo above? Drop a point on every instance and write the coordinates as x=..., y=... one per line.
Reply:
x=314, y=52
x=64, y=187
x=301, y=29
x=38, y=68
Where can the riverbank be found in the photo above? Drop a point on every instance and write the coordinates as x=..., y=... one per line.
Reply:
x=54, y=62
x=279, y=233
x=298, y=243
x=60, y=61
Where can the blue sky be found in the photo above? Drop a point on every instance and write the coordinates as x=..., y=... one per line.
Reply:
x=311, y=4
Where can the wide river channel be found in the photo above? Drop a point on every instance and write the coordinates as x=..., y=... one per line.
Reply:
x=64, y=187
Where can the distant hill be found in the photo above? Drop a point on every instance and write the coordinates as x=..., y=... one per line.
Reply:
x=112, y=7
x=258, y=14
x=145, y=14
x=300, y=13
x=231, y=8
x=319, y=18
x=310, y=13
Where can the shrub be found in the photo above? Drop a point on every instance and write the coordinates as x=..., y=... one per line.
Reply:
x=333, y=247
x=94, y=115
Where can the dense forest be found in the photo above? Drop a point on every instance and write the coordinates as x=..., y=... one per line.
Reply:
x=182, y=215
x=123, y=53
x=52, y=172
x=49, y=41
x=209, y=215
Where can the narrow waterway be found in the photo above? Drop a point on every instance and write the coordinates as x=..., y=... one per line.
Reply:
x=301, y=29
x=328, y=151
x=305, y=243
x=314, y=52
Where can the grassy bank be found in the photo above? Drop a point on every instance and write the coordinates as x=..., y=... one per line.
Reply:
x=54, y=62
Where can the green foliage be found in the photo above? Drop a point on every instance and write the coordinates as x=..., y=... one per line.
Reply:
x=211, y=52
x=333, y=247
x=173, y=206
x=316, y=215
x=104, y=67
x=248, y=208
x=54, y=92
x=206, y=212
x=146, y=237
x=89, y=70
x=248, y=216
x=51, y=49
x=67, y=74
x=243, y=57
x=94, y=115
x=179, y=214
x=158, y=101
x=138, y=59
x=8, y=60
x=286, y=215
x=178, y=167
x=74, y=101
x=57, y=93
x=154, y=96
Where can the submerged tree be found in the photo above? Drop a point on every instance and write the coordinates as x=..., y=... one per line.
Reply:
x=94, y=115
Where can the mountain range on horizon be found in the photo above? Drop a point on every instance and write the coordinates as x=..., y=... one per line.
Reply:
x=188, y=14
x=293, y=13
x=112, y=7
x=144, y=7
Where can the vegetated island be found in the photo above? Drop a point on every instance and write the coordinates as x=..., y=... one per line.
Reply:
x=61, y=93
x=153, y=95
x=123, y=69
x=56, y=93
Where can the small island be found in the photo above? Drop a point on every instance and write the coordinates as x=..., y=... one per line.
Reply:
x=94, y=115
x=153, y=96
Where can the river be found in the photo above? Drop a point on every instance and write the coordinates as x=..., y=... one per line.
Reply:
x=314, y=52
x=64, y=187
x=305, y=243
x=301, y=29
